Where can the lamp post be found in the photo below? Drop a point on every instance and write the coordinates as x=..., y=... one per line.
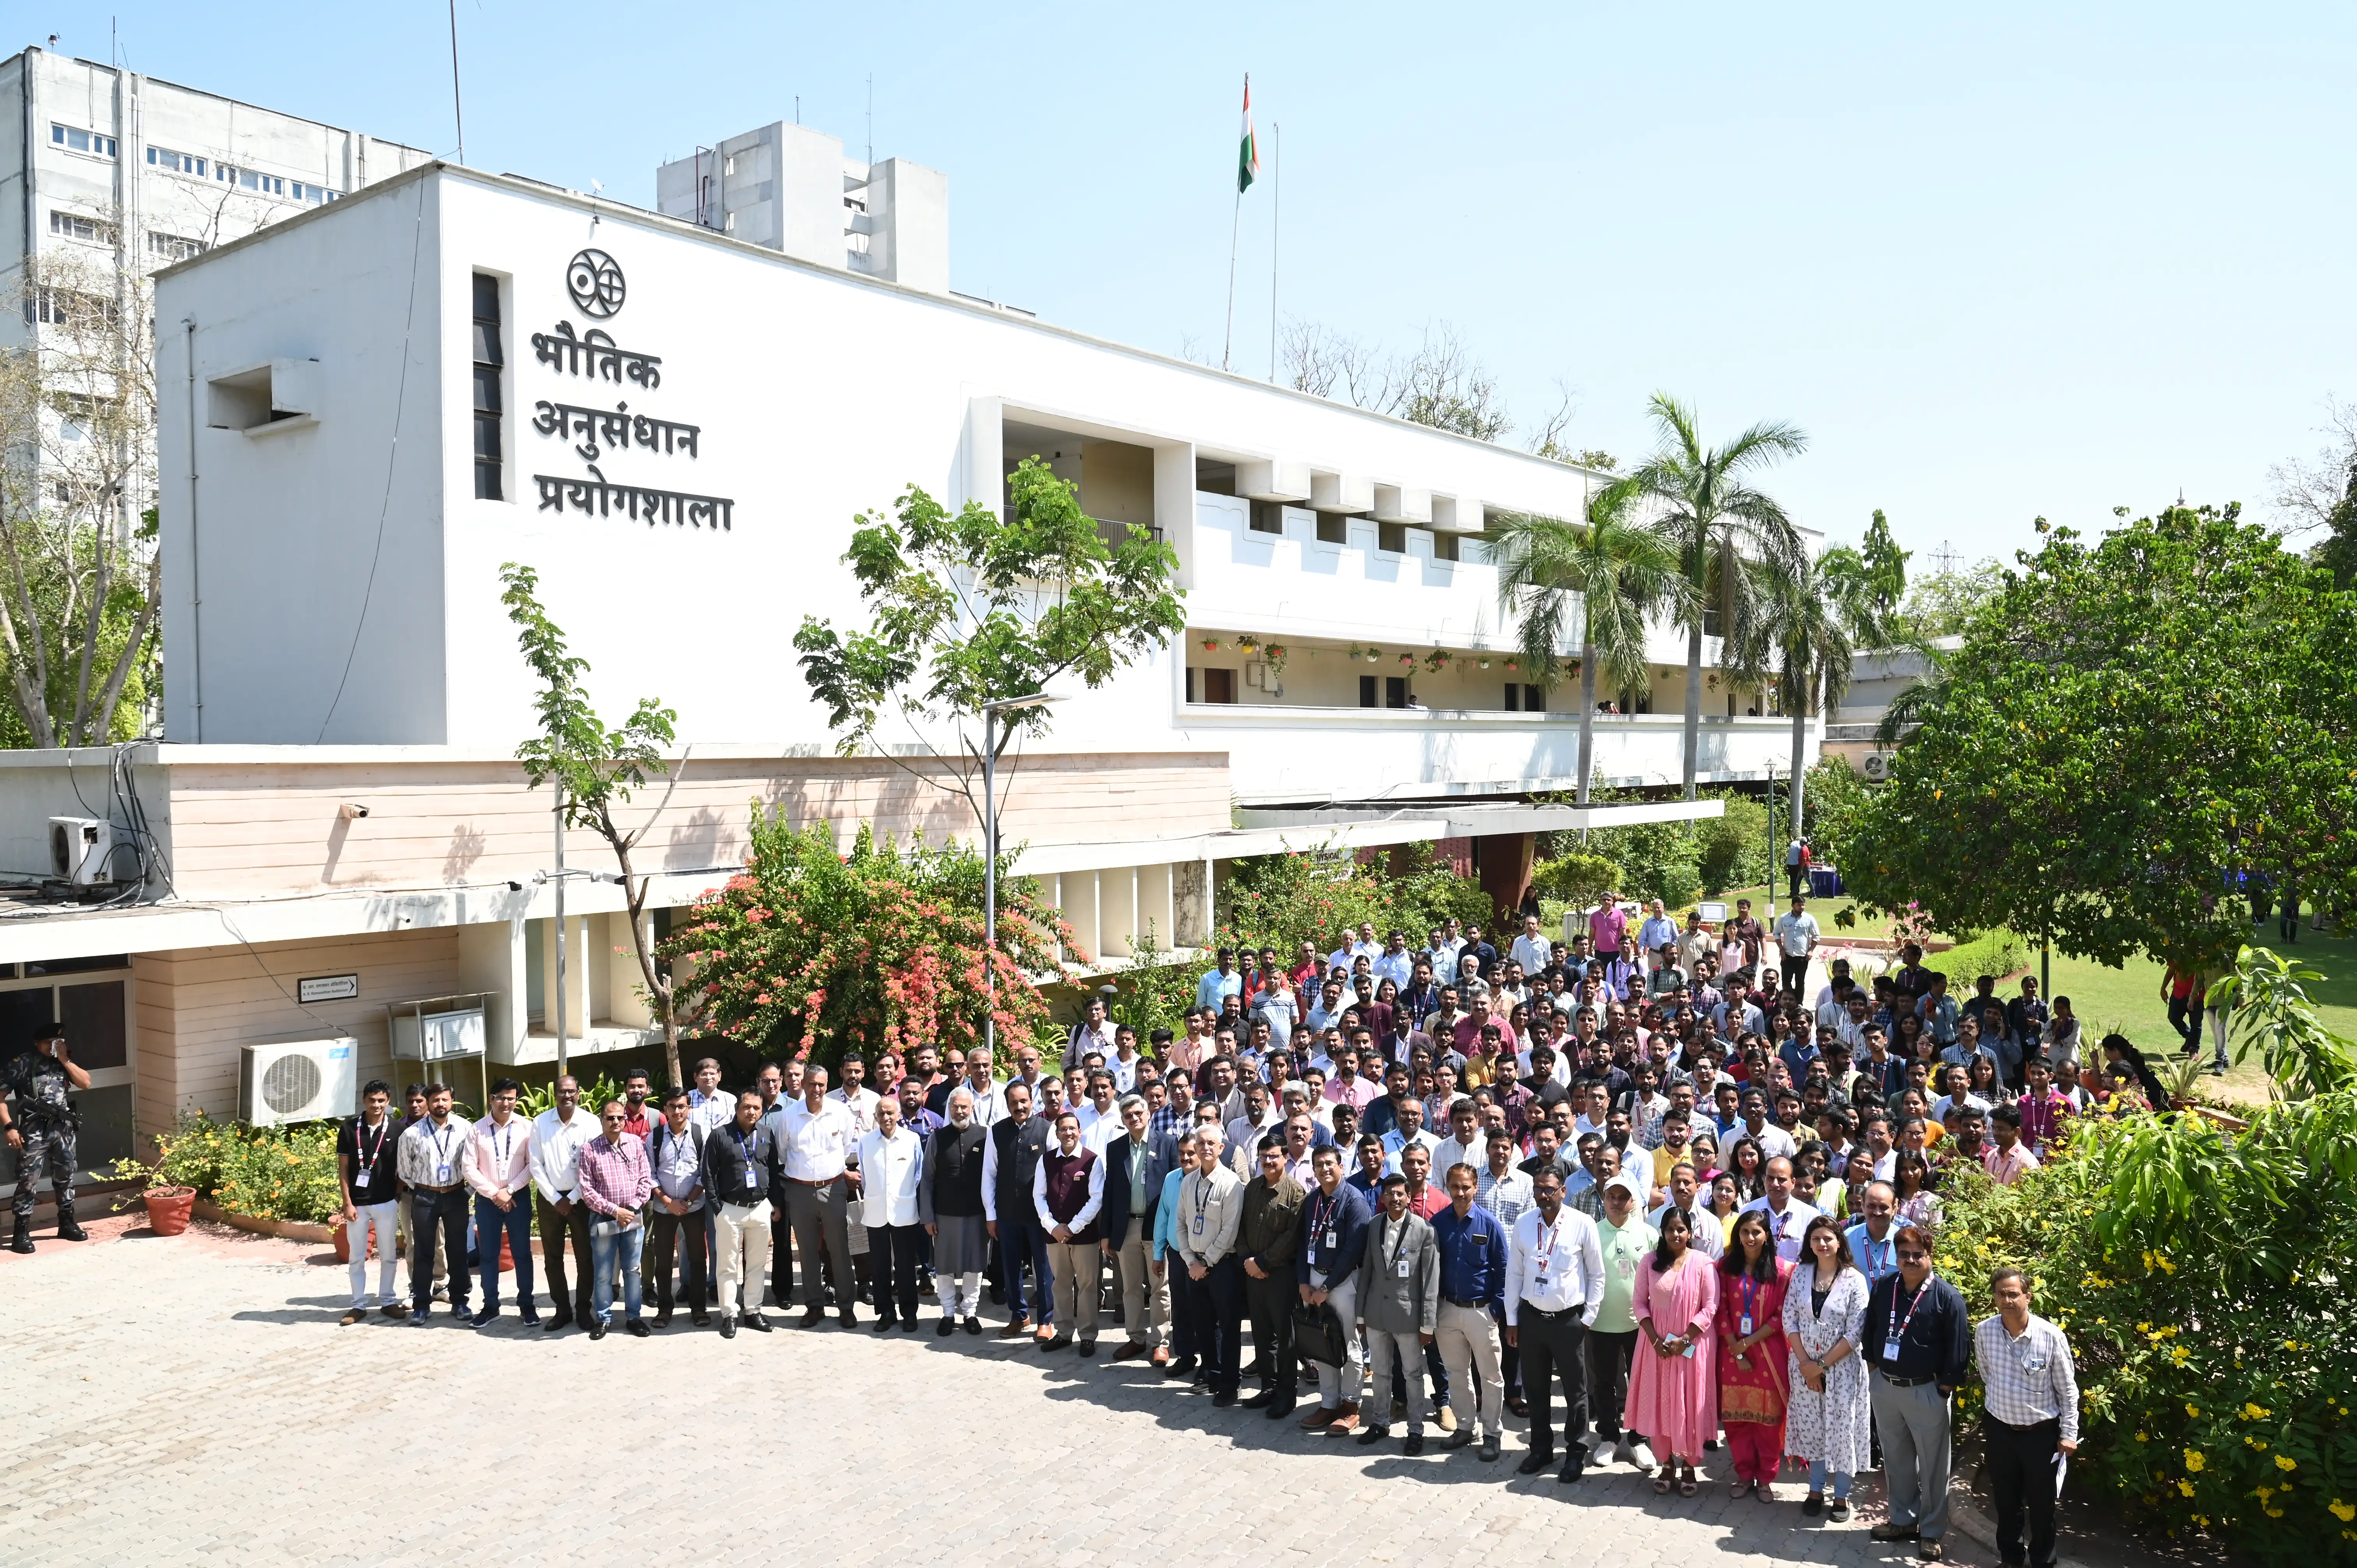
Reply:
x=990, y=711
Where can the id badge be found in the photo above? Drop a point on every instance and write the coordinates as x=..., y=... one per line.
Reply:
x=361, y=1180
x=1890, y=1349
x=1746, y=1329
x=1331, y=1241
x=1199, y=1225
x=1403, y=1268
x=752, y=1179
x=442, y=1175
x=1540, y=1278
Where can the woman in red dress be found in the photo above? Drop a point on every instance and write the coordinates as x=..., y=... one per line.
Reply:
x=1751, y=1371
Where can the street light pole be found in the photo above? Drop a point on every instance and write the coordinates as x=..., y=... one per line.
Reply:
x=990, y=711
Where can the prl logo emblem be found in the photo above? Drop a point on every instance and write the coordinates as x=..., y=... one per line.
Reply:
x=594, y=279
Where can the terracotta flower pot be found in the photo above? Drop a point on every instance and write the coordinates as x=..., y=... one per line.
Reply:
x=343, y=1243
x=168, y=1208
x=507, y=1254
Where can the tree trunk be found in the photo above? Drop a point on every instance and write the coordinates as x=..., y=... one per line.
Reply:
x=634, y=892
x=1694, y=704
x=1800, y=745
x=1586, y=718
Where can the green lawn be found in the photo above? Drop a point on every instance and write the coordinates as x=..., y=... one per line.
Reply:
x=2129, y=1000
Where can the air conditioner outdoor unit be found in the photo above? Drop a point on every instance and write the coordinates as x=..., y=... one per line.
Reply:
x=82, y=849
x=298, y=1080
x=1877, y=764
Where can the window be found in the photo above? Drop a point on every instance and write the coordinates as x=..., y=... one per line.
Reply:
x=250, y=179
x=1267, y=517
x=1513, y=696
x=1333, y=529
x=313, y=193
x=95, y=144
x=173, y=247
x=1395, y=691
x=1391, y=537
x=1367, y=692
x=1533, y=700
x=488, y=360
x=75, y=226
x=1444, y=547
x=177, y=163
x=64, y=308
x=1219, y=685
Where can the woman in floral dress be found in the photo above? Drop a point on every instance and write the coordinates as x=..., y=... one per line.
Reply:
x=1828, y=1419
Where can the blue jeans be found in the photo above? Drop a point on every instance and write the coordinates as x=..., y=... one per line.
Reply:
x=1023, y=1245
x=1817, y=1479
x=612, y=1250
x=516, y=1223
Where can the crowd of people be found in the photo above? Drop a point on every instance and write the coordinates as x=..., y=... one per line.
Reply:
x=1642, y=1173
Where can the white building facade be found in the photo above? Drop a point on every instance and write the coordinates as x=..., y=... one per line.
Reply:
x=382, y=401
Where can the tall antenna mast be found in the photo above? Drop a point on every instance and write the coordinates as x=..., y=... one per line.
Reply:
x=457, y=104
x=871, y=116
x=1275, y=207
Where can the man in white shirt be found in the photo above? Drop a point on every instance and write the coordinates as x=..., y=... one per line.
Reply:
x=707, y=1107
x=1100, y=1121
x=1395, y=963
x=1210, y=1211
x=1067, y=1191
x=1685, y=1197
x=989, y=1098
x=892, y=1166
x=436, y=1157
x=1796, y=938
x=1464, y=1146
x=1531, y=950
x=1788, y=1216
x=1554, y=1287
x=1448, y=945
x=500, y=1172
x=558, y=1136
x=1773, y=1141
x=1093, y=1034
x=816, y=1141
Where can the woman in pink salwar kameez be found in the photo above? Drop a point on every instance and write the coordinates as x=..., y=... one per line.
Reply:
x=1673, y=1383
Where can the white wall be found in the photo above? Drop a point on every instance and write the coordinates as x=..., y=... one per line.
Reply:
x=818, y=394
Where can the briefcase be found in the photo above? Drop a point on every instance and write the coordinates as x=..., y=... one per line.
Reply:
x=1317, y=1334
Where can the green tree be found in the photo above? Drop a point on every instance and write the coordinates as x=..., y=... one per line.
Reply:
x=1707, y=510
x=1818, y=613
x=1621, y=573
x=1883, y=567
x=2131, y=727
x=976, y=606
x=594, y=769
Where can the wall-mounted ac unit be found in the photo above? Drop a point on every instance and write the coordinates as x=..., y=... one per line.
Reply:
x=81, y=851
x=1877, y=765
x=298, y=1080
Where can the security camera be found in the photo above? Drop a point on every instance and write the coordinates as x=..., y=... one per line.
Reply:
x=352, y=809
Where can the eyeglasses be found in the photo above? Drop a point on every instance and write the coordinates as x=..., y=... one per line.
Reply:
x=1912, y=1257
x=613, y=1117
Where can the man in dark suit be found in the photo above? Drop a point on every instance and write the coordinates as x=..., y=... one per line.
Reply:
x=1135, y=1164
x=1010, y=1159
x=1270, y=1241
x=1398, y=1307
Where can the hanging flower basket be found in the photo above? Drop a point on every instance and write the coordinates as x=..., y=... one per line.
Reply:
x=1437, y=660
x=1276, y=653
x=1485, y=664
x=1248, y=643
x=1210, y=645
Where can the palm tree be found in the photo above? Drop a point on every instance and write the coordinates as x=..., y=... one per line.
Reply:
x=1715, y=520
x=1816, y=616
x=1622, y=571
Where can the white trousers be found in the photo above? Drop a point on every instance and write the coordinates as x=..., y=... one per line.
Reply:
x=741, y=1239
x=379, y=1219
x=961, y=1293
x=1468, y=1339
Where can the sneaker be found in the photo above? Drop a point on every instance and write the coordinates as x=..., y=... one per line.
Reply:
x=1414, y=1445
x=1641, y=1455
x=1813, y=1504
x=1490, y=1449
x=484, y=1318
x=945, y=1328
x=417, y=1320
x=1370, y=1437
x=1839, y=1512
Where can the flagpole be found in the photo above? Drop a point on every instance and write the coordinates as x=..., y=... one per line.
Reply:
x=1275, y=207
x=1236, y=227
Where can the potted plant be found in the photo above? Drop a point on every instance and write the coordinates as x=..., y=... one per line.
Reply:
x=169, y=1203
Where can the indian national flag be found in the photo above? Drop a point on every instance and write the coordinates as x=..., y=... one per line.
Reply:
x=1248, y=153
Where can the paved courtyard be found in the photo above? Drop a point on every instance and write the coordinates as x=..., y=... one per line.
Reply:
x=193, y=1399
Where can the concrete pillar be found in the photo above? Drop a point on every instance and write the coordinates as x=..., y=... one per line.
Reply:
x=1506, y=869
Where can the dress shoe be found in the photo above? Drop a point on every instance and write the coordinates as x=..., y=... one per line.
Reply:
x=1088, y=1348
x=1534, y=1461
x=1183, y=1366
x=1519, y=1406
x=596, y=1330
x=637, y=1328
x=1574, y=1466
x=1046, y=1332
x=356, y=1315
x=1489, y=1448
x=812, y=1318
x=907, y=1325
x=1016, y=1328
x=757, y=1323
x=1283, y=1408
x=1345, y=1422
x=1893, y=1532
x=1930, y=1552
x=662, y=1318
x=395, y=1313
x=1371, y=1435
x=973, y=1326
x=1055, y=1342
x=1262, y=1400
x=1414, y=1445
x=729, y=1328
x=1129, y=1350
x=1224, y=1399
x=1318, y=1417
x=883, y=1325
x=947, y=1326
x=701, y=1319
x=1461, y=1438
x=848, y=1316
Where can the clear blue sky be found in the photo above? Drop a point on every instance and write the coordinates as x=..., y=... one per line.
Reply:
x=1999, y=262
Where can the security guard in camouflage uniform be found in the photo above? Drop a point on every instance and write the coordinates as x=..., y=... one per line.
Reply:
x=42, y=1129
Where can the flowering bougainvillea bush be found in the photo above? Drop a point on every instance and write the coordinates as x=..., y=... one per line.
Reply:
x=2204, y=1280
x=814, y=950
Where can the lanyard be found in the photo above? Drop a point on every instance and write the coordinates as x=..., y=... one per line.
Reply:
x=1203, y=1199
x=501, y=1138
x=1323, y=1212
x=441, y=1145
x=1750, y=1294
x=1899, y=1332
x=1544, y=1251
x=744, y=1143
x=368, y=1157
